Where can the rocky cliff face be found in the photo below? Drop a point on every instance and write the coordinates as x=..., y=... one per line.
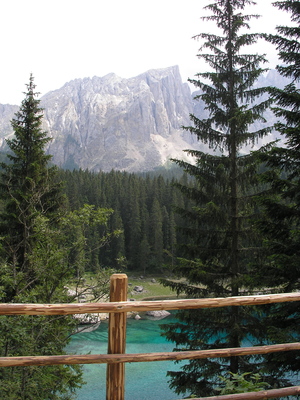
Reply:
x=126, y=124
x=7, y=112
x=114, y=123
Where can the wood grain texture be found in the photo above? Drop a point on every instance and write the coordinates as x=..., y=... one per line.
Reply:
x=262, y=394
x=126, y=306
x=145, y=357
x=115, y=374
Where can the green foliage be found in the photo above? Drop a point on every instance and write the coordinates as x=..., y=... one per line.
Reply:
x=28, y=187
x=280, y=225
x=280, y=221
x=32, y=268
x=45, y=250
x=79, y=241
x=143, y=211
x=240, y=384
x=36, y=335
x=219, y=244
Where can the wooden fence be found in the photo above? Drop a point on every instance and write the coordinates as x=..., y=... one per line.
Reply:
x=116, y=357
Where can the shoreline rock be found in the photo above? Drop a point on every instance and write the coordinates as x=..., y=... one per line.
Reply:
x=157, y=314
x=88, y=319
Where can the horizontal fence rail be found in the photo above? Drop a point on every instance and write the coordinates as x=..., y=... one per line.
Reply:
x=127, y=306
x=262, y=394
x=144, y=357
x=116, y=357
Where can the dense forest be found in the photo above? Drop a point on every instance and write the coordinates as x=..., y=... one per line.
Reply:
x=143, y=209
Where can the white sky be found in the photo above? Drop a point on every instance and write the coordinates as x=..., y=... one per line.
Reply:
x=60, y=40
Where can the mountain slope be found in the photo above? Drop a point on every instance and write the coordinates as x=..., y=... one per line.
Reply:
x=105, y=123
x=126, y=124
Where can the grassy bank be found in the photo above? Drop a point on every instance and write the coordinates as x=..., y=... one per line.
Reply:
x=150, y=284
x=151, y=288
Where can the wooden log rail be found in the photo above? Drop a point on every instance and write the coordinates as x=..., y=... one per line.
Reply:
x=126, y=306
x=116, y=357
x=122, y=358
x=262, y=394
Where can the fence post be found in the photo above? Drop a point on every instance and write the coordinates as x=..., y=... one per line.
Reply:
x=115, y=375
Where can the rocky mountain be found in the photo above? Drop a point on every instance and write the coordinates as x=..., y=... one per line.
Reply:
x=7, y=112
x=105, y=123
x=115, y=123
x=126, y=124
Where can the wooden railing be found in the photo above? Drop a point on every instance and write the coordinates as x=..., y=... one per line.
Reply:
x=116, y=357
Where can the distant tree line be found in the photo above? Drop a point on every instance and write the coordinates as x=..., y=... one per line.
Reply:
x=143, y=209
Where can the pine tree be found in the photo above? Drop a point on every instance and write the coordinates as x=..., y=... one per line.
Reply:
x=281, y=223
x=32, y=200
x=29, y=185
x=282, y=205
x=220, y=243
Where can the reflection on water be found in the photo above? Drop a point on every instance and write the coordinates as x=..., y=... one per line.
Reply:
x=144, y=381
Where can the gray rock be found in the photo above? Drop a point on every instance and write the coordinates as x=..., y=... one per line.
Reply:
x=138, y=289
x=91, y=318
x=105, y=123
x=158, y=314
x=115, y=123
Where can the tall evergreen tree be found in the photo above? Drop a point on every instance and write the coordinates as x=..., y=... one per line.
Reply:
x=32, y=199
x=220, y=241
x=282, y=205
x=29, y=185
x=281, y=223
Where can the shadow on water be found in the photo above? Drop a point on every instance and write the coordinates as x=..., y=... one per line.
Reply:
x=144, y=381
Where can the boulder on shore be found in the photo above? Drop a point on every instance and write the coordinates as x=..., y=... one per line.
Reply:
x=92, y=318
x=158, y=314
x=138, y=289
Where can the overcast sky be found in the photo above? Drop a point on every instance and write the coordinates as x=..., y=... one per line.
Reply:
x=61, y=40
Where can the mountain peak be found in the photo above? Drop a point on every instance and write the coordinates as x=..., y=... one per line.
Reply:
x=111, y=77
x=108, y=122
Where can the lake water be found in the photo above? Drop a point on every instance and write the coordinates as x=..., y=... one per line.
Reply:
x=144, y=381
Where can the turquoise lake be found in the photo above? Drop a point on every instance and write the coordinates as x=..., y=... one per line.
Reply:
x=144, y=381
